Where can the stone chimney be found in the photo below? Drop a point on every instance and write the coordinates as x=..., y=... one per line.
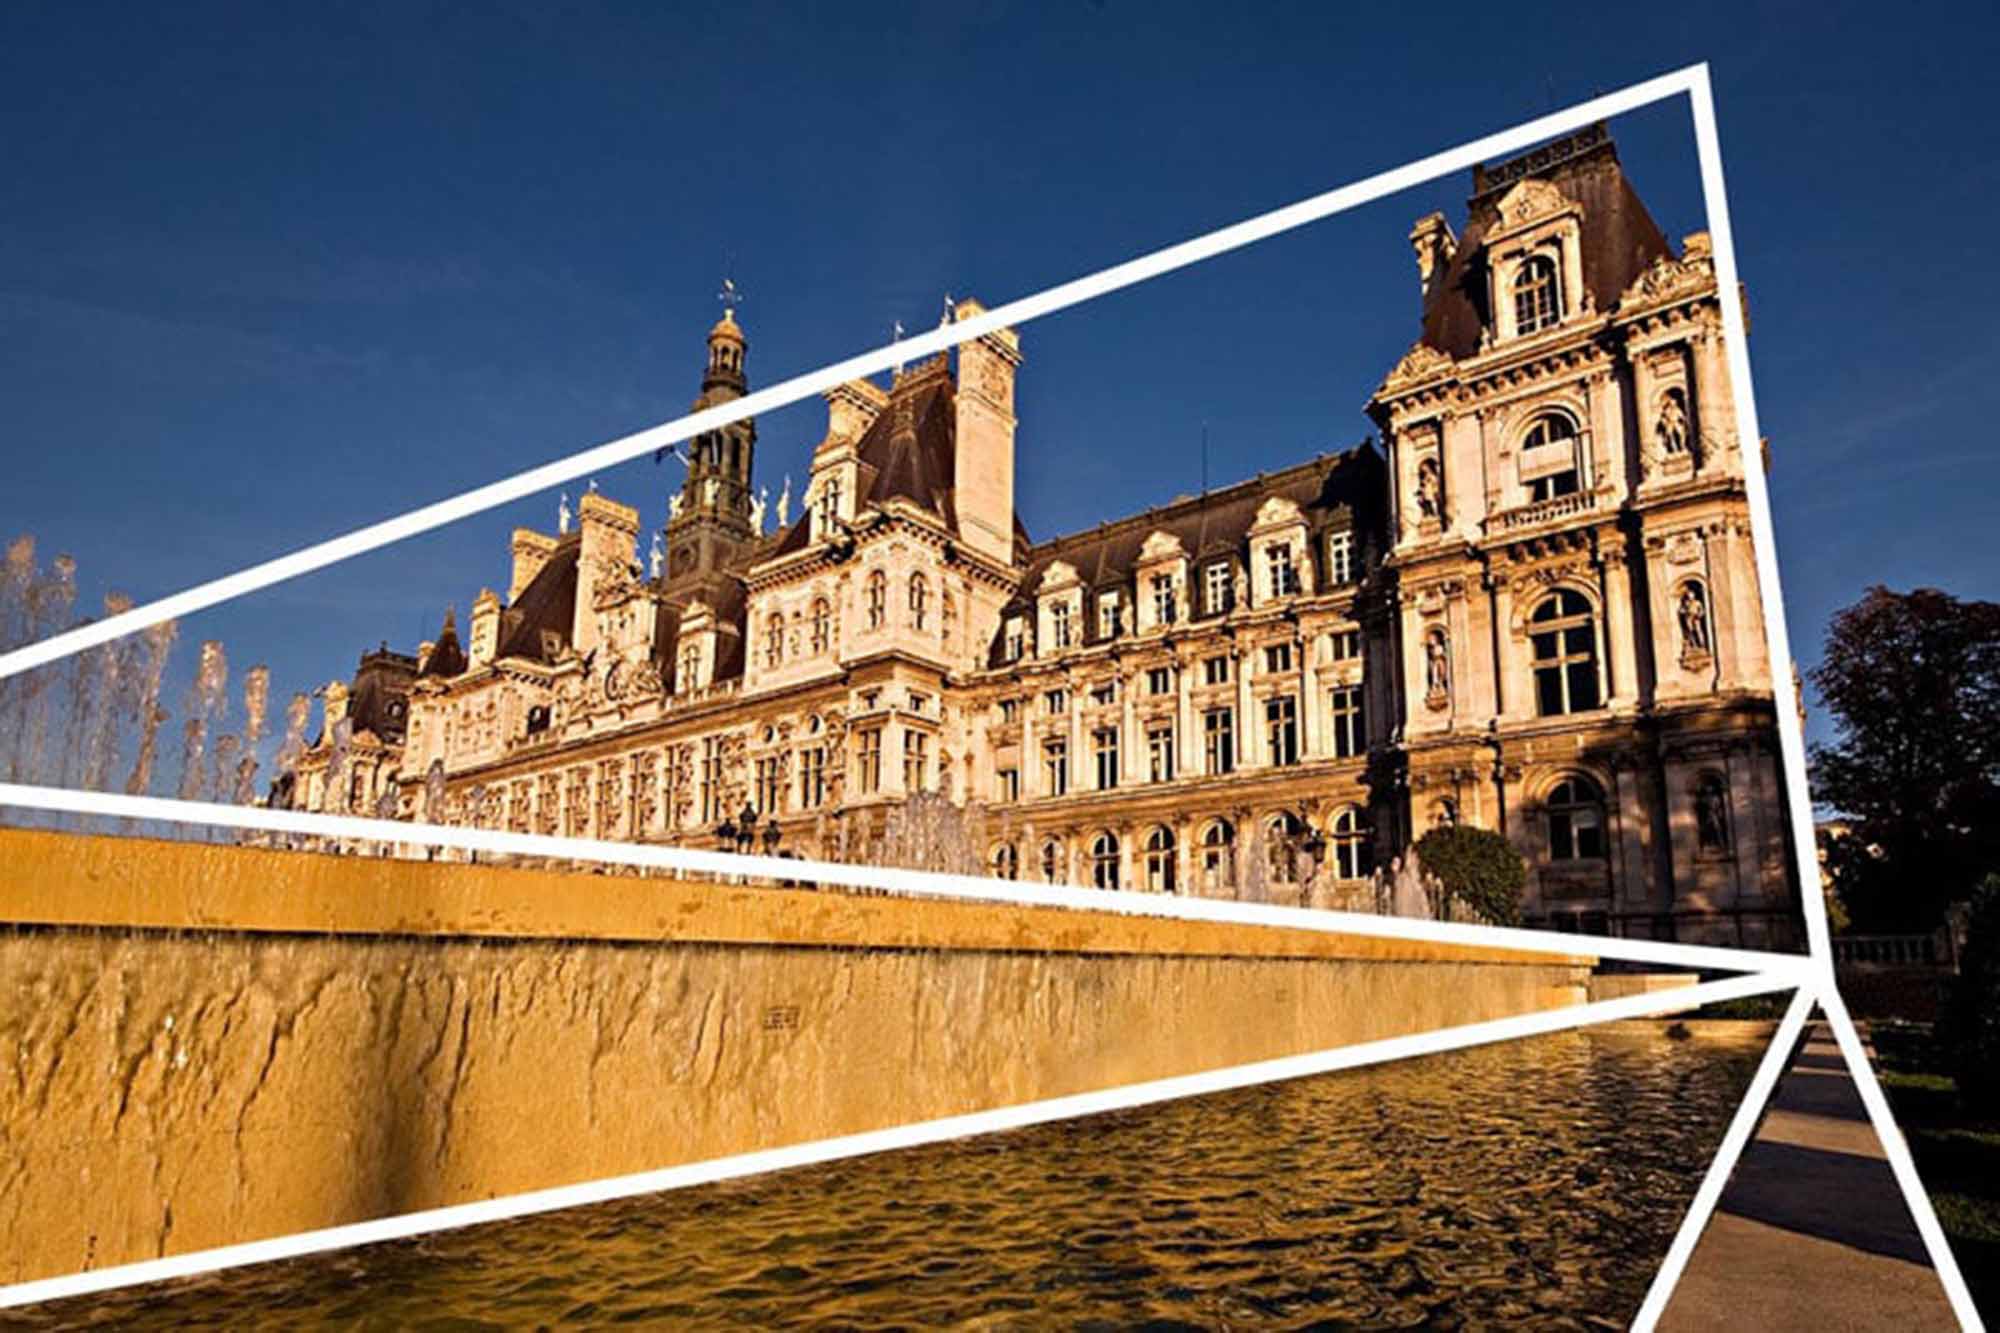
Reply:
x=1431, y=238
x=851, y=408
x=610, y=542
x=531, y=551
x=485, y=645
x=984, y=482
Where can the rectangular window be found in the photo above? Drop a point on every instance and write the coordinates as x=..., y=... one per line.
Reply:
x=1284, y=576
x=1010, y=710
x=1346, y=645
x=1218, y=737
x=1278, y=658
x=1340, y=558
x=1164, y=609
x=1160, y=680
x=1109, y=622
x=1055, y=767
x=1217, y=588
x=770, y=784
x=916, y=761
x=1057, y=700
x=1160, y=753
x=1059, y=625
x=1350, y=730
x=919, y=701
x=1013, y=641
x=1104, y=695
x=1007, y=785
x=812, y=777
x=1215, y=671
x=869, y=751
x=1281, y=729
x=711, y=780
x=1104, y=744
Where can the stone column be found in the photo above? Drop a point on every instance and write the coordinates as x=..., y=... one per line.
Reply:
x=1619, y=644
x=1186, y=741
x=1309, y=700
x=1128, y=768
x=1031, y=754
x=1247, y=748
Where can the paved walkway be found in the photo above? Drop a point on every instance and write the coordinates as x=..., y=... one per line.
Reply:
x=1812, y=1233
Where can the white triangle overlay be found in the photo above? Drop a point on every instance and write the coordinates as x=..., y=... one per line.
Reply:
x=1810, y=974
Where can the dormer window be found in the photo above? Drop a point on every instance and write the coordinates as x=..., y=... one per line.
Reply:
x=1217, y=587
x=1284, y=574
x=1059, y=626
x=1014, y=641
x=1340, y=558
x=1108, y=620
x=1537, y=295
x=1164, y=610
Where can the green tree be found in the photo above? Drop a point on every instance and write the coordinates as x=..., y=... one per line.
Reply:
x=1969, y=1027
x=1477, y=868
x=1913, y=683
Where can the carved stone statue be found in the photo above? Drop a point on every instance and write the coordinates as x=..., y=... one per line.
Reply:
x=757, y=504
x=1694, y=619
x=1712, y=816
x=1672, y=429
x=785, y=502
x=674, y=503
x=714, y=489
x=562, y=513
x=656, y=559
x=1430, y=489
x=1437, y=665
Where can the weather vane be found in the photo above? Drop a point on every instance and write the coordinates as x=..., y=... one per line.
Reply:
x=896, y=336
x=730, y=295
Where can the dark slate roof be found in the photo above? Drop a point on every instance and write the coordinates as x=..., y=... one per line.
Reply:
x=915, y=459
x=447, y=658
x=548, y=603
x=1620, y=237
x=378, y=698
x=1334, y=491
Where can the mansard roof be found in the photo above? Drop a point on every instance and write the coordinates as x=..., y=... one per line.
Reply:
x=377, y=699
x=1332, y=491
x=1620, y=237
x=548, y=603
x=447, y=656
x=919, y=465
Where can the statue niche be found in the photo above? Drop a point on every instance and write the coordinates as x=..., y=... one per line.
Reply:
x=1437, y=670
x=1697, y=647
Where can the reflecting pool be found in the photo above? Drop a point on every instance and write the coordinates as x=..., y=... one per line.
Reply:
x=1536, y=1183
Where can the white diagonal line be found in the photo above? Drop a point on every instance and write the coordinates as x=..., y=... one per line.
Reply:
x=685, y=859
x=1741, y=1127
x=902, y=1136
x=1014, y=314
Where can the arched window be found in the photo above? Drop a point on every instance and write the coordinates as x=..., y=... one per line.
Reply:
x=1281, y=846
x=1711, y=813
x=822, y=625
x=1576, y=820
x=878, y=599
x=1007, y=861
x=1218, y=855
x=1160, y=869
x=1104, y=860
x=920, y=593
x=1537, y=295
x=1564, y=635
x=1549, y=458
x=1353, y=851
x=774, y=641
x=1052, y=862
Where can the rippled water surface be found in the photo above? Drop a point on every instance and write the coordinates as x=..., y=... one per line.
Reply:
x=1535, y=1183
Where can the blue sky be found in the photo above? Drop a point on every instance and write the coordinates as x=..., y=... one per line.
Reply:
x=270, y=272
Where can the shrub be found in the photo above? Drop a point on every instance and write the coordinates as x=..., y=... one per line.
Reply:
x=1478, y=868
x=1969, y=1027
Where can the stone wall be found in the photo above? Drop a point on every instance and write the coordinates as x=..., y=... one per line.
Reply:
x=172, y=1090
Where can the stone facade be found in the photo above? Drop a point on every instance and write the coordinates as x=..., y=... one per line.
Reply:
x=1534, y=607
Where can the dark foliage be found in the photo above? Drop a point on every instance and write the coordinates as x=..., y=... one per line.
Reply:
x=1969, y=1027
x=1479, y=870
x=1913, y=682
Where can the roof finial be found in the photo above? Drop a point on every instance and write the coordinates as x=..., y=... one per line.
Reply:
x=730, y=296
x=896, y=336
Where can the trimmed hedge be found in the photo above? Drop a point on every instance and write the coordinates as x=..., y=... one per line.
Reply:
x=1476, y=868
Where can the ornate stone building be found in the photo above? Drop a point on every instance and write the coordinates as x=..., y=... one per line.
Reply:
x=1533, y=608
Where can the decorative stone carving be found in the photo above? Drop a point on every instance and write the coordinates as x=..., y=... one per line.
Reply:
x=1668, y=279
x=1531, y=199
x=1419, y=363
x=1671, y=429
